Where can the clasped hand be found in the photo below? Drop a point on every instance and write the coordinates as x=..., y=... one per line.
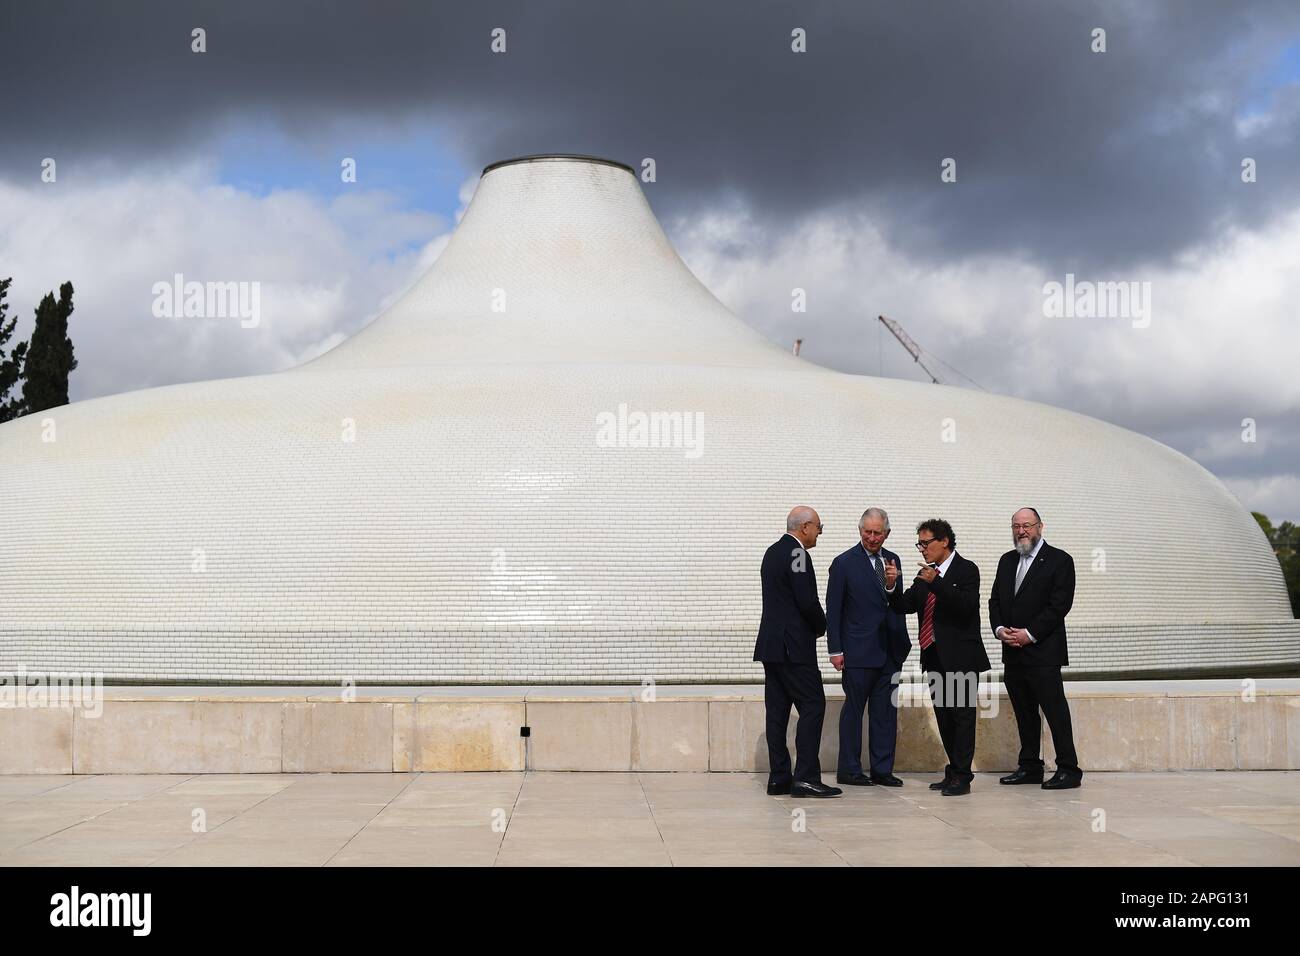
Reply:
x=1014, y=636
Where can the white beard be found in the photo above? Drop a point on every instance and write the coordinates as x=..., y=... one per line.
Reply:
x=1024, y=547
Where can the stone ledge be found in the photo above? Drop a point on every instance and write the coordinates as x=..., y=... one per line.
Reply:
x=1141, y=725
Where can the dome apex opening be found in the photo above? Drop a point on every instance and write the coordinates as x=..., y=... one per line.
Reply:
x=556, y=157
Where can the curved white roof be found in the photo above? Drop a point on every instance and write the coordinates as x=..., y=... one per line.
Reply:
x=480, y=527
x=585, y=273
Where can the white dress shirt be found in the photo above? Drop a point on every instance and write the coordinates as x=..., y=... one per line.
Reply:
x=943, y=568
x=881, y=558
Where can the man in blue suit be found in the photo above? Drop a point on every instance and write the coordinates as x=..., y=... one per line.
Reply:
x=868, y=643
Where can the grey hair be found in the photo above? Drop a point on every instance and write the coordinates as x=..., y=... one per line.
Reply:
x=798, y=517
x=874, y=513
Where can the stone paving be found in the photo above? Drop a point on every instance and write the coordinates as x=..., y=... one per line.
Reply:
x=1185, y=818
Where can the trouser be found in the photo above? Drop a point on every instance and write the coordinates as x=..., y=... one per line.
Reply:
x=955, y=697
x=1032, y=688
x=870, y=689
x=800, y=685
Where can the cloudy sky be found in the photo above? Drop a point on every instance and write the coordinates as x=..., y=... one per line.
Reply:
x=775, y=170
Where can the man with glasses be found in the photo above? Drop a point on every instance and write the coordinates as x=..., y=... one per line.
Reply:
x=1032, y=593
x=946, y=599
x=867, y=641
x=787, y=645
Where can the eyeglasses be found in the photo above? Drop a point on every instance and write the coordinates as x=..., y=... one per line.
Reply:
x=807, y=523
x=1025, y=527
x=921, y=545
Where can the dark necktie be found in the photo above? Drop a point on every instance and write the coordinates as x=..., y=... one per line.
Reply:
x=1025, y=562
x=927, y=622
x=879, y=567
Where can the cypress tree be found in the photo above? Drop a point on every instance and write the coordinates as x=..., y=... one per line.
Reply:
x=11, y=366
x=49, y=358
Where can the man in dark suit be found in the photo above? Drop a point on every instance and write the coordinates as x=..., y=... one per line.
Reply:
x=1032, y=593
x=868, y=643
x=946, y=599
x=787, y=645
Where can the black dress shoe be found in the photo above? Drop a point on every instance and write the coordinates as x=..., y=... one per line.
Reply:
x=805, y=788
x=940, y=784
x=1063, y=781
x=776, y=789
x=1023, y=775
x=886, y=780
x=854, y=779
x=956, y=788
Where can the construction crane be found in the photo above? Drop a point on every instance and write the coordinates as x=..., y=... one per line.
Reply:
x=908, y=343
x=916, y=351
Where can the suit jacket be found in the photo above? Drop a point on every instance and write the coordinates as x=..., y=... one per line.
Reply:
x=957, y=640
x=792, y=615
x=1046, y=595
x=860, y=624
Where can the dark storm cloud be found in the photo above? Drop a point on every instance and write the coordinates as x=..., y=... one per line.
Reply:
x=1075, y=159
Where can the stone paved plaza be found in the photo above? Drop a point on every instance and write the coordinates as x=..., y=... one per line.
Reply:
x=641, y=819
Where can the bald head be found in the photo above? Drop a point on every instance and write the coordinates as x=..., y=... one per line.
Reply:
x=804, y=524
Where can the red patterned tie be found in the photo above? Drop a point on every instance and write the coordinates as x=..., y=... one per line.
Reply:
x=927, y=622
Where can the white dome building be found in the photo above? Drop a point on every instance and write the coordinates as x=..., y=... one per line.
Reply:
x=458, y=494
